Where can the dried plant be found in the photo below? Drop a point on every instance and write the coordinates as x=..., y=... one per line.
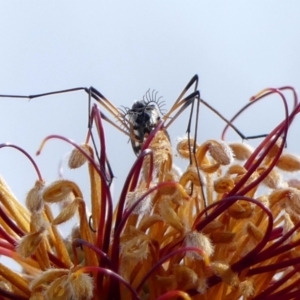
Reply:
x=226, y=228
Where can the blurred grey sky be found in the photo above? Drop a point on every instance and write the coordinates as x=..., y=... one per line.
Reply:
x=123, y=48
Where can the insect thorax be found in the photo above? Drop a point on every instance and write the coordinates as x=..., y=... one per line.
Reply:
x=143, y=118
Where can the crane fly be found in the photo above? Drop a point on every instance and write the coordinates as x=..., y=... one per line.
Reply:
x=142, y=118
x=138, y=121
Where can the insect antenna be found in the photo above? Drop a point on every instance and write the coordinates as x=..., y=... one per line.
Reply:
x=152, y=97
x=124, y=110
x=122, y=124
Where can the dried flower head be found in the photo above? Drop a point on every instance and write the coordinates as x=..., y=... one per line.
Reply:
x=228, y=227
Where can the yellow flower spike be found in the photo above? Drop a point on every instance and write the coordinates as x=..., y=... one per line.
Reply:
x=212, y=226
x=42, y=255
x=5, y=285
x=176, y=293
x=17, y=212
x=224, y=271
x=29, y=243
x=56, y=239
x=207, y=167
x=68, y=212
x=171, y=191
x=294, y=182
x=253, y=177
x=36, y=205
x=236, y=170
x=241, y=151
x=288, y=225
x=8, y=194
x=183, y=148
x=95, y=186
x=288, y=162
x=289, y=198
x=143, y=207
x=277, y=195
x=78, y=257
x=221, y=237
x=77, y=159
x=273, y=180
x=148, y=221
x=182, y=191
x=80, y=285
x=162, y=152
x=273, y=151
x=223, y=185
x=173, y=175
x=190, y=174
x=37, y=295
x=264, y=199
x=8, y=230
x=161, y=253
x=247, y=288
x=37, y=222
x=16, y=280
x=58, y=289
x=29, y=265
x=219, y=151
x=254, y=232
x=47, y=277
x=199, y=240
x=85, y=232
x=186, y=278
x=169, y=215
x=34, y=201
x=60, y=190
x=258, y=214
x=250, y=235
x=240, y=210
x=168, y=282
x=135, y=245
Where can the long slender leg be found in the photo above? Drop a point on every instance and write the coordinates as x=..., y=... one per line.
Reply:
x=92, y=93
x=181, y=103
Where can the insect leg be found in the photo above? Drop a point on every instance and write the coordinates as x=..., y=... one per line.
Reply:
x=93, y=93
x=180, y=105
x=96, y=95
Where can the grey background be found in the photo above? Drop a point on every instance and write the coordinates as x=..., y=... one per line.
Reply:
x=123, y=48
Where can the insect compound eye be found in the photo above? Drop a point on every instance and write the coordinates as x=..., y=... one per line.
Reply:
x=140, y=112
x=149, y=108
x=142, y=117
x=138, y=106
